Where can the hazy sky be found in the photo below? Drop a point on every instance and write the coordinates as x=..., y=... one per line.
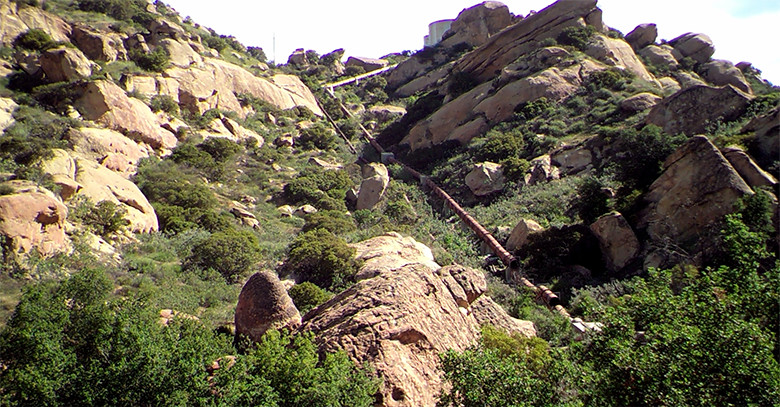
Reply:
x=742, y=30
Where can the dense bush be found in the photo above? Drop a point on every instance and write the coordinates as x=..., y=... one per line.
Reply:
x=123, y=10
x=104, y=218
x=155, y=61
x=317, y=137
x=593, y=200
x=322, y=258
x=337, y=222
x=35, y=40
x=210, y=157
x=318, y=186
x=643, y=153
x=500, y=145
x=257, y=53
x=33, y=135
x=230, y=253
x=576, y=36
x=307, y=295
x=164, y=103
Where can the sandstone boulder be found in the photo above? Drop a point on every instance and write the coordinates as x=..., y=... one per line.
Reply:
x=541, y=170
x=691, y=110
x=368, y=64
x=241, y=133
x=767, y=131
x=65, y=64
x=519, y=236
x=107, y=104
x=180, y=53
x=476, y=24
x=616, y=52
x=640, y=102
x=698, y=187
x=99, y=183
x=642, y=36
x=106, y=47
x=31, y=217
x=748, y=169
x=721, y=73
x=264, y=305
x=384, y=113
x=16, y=19
x=697, y=46
x=99, y=144
x=304, y=210
x=660, y=56
x=375, y=181
x=486, y=178
x=7, y=108
x=215, y=84
x=572, y=159
x=401, y=316
x=618, y=242
x=669, y=85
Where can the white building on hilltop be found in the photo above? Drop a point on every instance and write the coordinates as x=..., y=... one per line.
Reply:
x=436, y=31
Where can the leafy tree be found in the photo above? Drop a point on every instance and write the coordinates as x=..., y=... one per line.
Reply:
x=104, y=218
x=257, y=53
x=231, y=254
x=322, y=258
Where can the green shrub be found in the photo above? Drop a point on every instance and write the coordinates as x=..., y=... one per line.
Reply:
x=500, y=146
x=257, y=53
x=155, y=61
x=307, y=295
x=337, y=222
x=592, y=200
x=460, y=83
x=230, y=253
x=576, y=36
x=317, y=137
x=322, y=258
x=123, y=10
x=104, y=218
x=35, y=40
x=164, y=182
x=314, y=184
x=33, y=135
x=643, y=154
x=164, y=103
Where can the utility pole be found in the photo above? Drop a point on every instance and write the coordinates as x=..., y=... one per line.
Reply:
x=274, y=48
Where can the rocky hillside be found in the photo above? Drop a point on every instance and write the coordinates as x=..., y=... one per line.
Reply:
x=183, y=222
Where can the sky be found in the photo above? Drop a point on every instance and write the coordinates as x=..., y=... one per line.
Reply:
x=742, y=30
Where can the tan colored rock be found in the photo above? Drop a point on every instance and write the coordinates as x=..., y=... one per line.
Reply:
x=247, y=218
x=99, y=183
x=285, y=140
x=107, y=104
x=326, y=165
x=106, y=47
x=659, y=56
x=616, y=52
x=519, y=236
x=101, y=143
x=573, y=158
x=65, y=64
x=241, y=133
x=304, y=210
x=697, y=46
x=691, y=110
x=688, y=79
x=720, y=73
x=372, y=189
x=618, y=242
x=286, y=211
x=161, y=29
x=486, y=178
x=16, y=19
x=7, y=108
x=408, y=70
x=215, y=84
x=748, y=169
x=476, y=24
x=642, y=36
x=386, y=112
x=368, y=64
x=180, y=53
x=264, y=305
x=541, y=170
x=698, y=187
x=399, y=317
x=33, y=218
x=640, y=102
x=669, y=85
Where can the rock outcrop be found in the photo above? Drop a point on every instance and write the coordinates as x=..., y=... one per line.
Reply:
x=368, y=64
x=616, y=52
x=642, y=36
x=110, y=148
x=748, y=169
x=696, y=46
x=32, y=217
x=375, y=181
x=519, y=236
x=660, y=55
x=721, y=73
x=65, y=64
x=486, y=178
x=766, y=129
x=476, y=24
x=692, y=109
x=619, y=244
x=106, y=47
x=640, y=102
x=264, y=305
x=106, y=103
x=698, y=187
x=16, y=19
x=402, y=313
x=541, y=170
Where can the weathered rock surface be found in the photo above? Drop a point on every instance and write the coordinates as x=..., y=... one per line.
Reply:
x=65, y=64
x=660, y=56
x=180, y=53
x=669, y=85
x=386, y=112
x=215, y=84
x=572, y=159
x=619, y=244
x=721, y=73
x=476, y=24
x=541, y=170
x=485, y=179
x=16, y=19
x=616, y=52
x=368, y=64
x=107, y=104
x=264, y=305
x=691, y=110
x=698, y=187
x=640, y=102
x=697, y=46
x=748, y=169
x=103, y=144
x=642, y=36
x=375, y=181
x=106, y=47
x=400, y=315
x=767, y=130
x=519, y=236
x=33, y=218
x=99, y=183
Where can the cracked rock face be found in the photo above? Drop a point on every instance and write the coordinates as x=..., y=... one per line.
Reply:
x=402, y=313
